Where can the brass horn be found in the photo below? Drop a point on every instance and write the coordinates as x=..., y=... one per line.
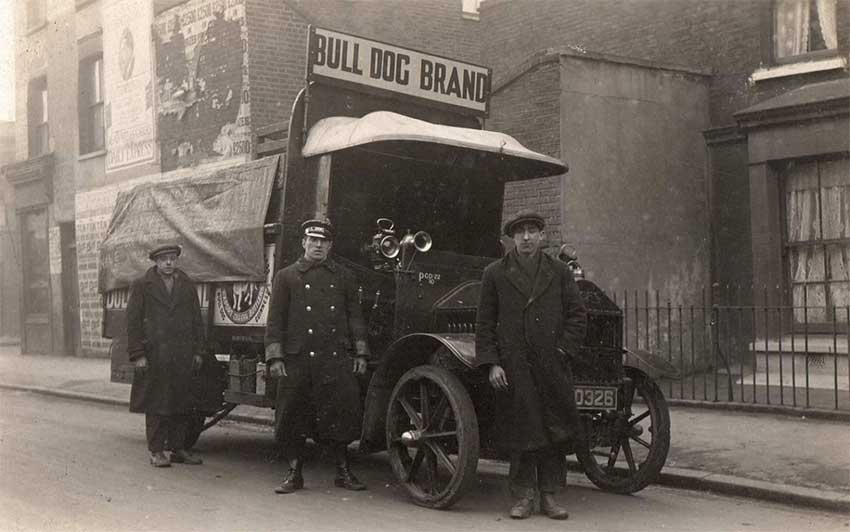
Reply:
x=422, y=241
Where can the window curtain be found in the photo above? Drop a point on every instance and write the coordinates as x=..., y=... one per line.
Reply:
x=792, y=27
x=806, y=262
x=828, y=26
x=820, y=274
x=835, y=183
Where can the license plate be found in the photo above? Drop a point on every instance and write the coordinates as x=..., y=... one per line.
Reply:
x=596, y=397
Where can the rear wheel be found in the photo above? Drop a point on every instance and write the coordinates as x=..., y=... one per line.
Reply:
x=627, y=454
x=432, y=436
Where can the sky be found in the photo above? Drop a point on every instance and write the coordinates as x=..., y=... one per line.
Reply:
x=7, y=60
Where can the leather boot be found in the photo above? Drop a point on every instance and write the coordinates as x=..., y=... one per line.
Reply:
x=159, y=459
x=293, y=480
x=550, y=507
x=344, y=477
x=184, y=457
x=522, y=508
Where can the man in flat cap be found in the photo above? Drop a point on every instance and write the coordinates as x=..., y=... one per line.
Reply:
x=315, y=348
x=165, y=339
x=531, y=321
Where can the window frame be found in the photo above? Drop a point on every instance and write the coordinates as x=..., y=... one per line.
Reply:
x=788, y=246
x=39, y=122
x=812, y=55
x=92, y=136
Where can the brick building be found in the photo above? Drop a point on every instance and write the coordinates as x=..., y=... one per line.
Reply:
x=694, y=130
x=10, y=265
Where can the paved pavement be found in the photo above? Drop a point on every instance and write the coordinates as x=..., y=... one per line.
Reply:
x=766, y=455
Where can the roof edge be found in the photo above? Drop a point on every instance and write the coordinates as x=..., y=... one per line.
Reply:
x=549, y=55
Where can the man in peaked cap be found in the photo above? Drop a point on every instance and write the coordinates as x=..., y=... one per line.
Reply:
x=165, y=340
x=315, y=348
x=531, y=322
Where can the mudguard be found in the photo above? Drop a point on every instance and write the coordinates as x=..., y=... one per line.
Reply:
x=405, y=353
x=653, y=365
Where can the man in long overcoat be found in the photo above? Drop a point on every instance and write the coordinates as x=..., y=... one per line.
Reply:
x=315, y=348
x=531, y=321
x=165, y=341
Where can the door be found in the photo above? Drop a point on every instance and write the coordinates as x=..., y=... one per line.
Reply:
x=35, y=326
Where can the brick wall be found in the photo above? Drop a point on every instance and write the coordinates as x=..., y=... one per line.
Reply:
x=723, y=36
x=277, y=40
x=434, y=26
x=528, y=110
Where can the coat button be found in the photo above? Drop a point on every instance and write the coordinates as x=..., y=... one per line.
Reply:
x=333, y=330
x=307, y=286
x=332, y=285
x=334, y=353
x=333, y=308
x=312, y=353
x=309, y=308
x=309, y=331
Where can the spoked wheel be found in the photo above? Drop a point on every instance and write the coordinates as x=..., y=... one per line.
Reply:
x=432, y=436
x=632, y=456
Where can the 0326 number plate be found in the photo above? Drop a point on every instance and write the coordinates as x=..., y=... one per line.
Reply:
x=596, y=397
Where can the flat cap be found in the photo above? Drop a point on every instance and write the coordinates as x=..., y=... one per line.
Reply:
x=318, y=228
x=525, y=216
x=168, y=248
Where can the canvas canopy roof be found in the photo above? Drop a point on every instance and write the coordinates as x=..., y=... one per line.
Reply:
x=395, y=134
x=217, y=218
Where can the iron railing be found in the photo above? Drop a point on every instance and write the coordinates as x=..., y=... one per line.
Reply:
x=787, y=356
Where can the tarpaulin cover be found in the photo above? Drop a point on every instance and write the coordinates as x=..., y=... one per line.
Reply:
x=217, y=218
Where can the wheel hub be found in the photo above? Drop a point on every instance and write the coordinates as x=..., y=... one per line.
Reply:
x=411, y=438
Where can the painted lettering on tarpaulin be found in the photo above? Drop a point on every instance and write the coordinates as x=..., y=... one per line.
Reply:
x=202, y=83
x=128, y=79
x=387, y=67
x=245, y=304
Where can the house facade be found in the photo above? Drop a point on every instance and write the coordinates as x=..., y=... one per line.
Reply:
x=707, y=141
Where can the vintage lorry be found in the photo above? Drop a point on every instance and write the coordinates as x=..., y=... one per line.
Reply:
x=388, y=143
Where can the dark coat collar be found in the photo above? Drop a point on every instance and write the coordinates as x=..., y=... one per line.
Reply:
x=545, y=273
x=303, y=265
x=156, y=286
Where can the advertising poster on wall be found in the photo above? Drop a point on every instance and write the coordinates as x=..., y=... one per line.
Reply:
x=202, y=83
x=130, y=133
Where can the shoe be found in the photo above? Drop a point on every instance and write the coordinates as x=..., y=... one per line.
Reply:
x=183, y=457
x=346, y=479
x=550, y=507
x=522, y=508
x=160, y=460
x=292, y=482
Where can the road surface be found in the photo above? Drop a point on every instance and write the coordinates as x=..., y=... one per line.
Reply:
x=82, y=466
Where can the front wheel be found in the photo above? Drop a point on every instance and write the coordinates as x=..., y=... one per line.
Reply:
x=626, y=454
x=432, y=436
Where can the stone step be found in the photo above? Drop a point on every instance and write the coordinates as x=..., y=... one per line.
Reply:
x=817, y=343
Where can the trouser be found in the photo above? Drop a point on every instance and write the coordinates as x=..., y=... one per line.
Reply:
x=166, y=429
x=294, y=450
x=541, y=470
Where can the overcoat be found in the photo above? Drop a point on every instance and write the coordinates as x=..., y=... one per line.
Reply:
x=168, y=330
x=314, y=323
x=532, y=331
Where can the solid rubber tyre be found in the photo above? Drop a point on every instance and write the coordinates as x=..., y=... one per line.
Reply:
x=439, y=467
x=619, y=468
